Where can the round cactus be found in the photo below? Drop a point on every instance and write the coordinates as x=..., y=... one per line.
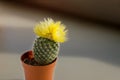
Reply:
x=46, y=45
x=45, y=50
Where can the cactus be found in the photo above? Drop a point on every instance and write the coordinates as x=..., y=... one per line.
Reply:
x=45, y=50
x=46, y=46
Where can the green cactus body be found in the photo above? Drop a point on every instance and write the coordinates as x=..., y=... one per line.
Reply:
x=45, y=50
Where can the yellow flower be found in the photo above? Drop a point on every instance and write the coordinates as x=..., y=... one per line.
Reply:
x=51, y=30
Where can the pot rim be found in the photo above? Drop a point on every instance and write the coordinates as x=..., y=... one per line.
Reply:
x=30, y=52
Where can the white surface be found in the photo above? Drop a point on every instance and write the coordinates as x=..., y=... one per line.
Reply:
x=92, y=52
x=68, y=68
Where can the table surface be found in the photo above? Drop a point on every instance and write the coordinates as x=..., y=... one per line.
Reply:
x=91, y=53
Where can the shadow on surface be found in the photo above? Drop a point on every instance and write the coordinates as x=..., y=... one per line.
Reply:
x=16, y=39
x=98, y=43
x=94, y=42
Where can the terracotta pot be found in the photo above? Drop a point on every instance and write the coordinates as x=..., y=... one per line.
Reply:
x=37, y=72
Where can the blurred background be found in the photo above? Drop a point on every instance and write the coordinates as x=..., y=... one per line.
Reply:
x=92, y=51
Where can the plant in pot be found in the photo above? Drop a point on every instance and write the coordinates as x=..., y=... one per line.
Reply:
x=39, y=63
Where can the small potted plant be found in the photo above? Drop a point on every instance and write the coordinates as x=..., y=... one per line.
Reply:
x=39, y=63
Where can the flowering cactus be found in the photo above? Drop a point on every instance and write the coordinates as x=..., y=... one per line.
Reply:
x=49, y=36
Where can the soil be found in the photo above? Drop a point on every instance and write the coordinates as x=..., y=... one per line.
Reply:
x=31, y=61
